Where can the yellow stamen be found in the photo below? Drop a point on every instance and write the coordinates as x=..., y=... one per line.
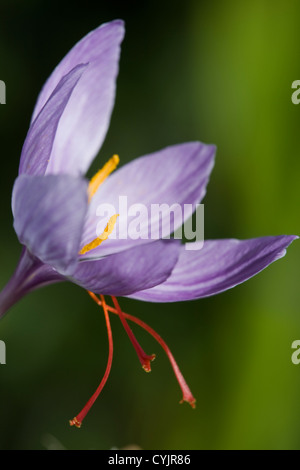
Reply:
x=104, y=236
x=102, y=174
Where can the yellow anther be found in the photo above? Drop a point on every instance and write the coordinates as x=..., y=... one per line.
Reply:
x=102, y=174
x=107, y=231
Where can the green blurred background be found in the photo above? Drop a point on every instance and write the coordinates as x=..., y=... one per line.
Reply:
x=220, y=72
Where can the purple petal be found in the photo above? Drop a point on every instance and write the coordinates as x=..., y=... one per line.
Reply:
x=84, y=124
x=49, y=213
x=39, y=141
x=29, y=275
x=129, y=271
x=218, y=266
x=175, y=175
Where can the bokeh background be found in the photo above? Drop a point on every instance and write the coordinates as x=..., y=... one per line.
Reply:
x=220, y=72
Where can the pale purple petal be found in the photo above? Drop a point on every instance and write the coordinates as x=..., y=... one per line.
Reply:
x=129, y=271
x=218, y=266
x=39, y=141
x=49, y=213
x=174, y=176
x=84, y=124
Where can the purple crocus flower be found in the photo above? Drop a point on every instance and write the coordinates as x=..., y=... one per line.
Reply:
x=54, y=206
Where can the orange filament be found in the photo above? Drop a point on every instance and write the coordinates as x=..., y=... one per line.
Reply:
x=77, y=421
x=186, y=392
x=144, y=358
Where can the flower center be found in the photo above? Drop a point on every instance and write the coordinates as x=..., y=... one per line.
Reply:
x=144, y=358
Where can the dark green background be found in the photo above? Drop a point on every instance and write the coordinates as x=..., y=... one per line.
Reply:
x=220, y=72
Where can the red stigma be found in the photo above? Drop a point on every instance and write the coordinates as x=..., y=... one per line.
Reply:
x=144, y=358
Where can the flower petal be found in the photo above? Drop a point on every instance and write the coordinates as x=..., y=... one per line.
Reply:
x=218, y=266
x=84, y=124
x=129, y=271
x=49, y=213
x=175, y=175
x=29, y=275
x=39, y=141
